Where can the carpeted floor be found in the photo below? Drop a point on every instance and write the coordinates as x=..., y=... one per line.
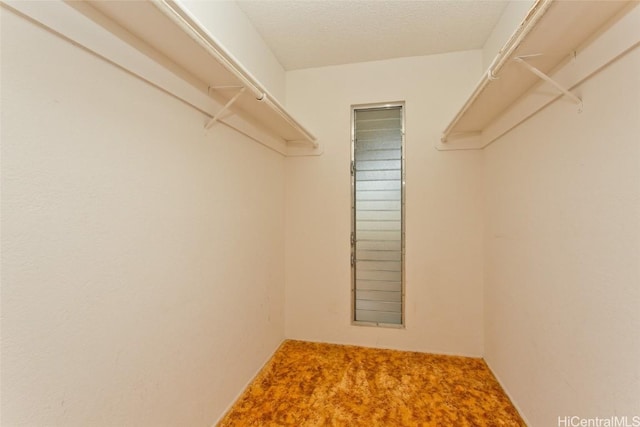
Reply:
x=312, y=384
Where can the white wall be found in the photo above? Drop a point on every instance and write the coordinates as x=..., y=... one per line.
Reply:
x=562, y=258
x=511, y=17
x=228, y=24
x=142, y=258
x=443, y=208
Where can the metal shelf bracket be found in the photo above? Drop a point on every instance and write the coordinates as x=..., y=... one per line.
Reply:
x=543, y=76
x=226, y=106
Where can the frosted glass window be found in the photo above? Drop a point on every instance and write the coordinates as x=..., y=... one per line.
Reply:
x=377, y=237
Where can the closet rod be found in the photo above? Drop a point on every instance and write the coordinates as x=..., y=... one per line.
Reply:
x=536, y=12
x=189, y=24
x=185, y=20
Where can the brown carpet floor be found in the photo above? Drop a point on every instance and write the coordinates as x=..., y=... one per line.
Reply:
x=312, y=384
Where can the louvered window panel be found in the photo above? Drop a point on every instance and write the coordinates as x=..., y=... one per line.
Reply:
x=377, y=214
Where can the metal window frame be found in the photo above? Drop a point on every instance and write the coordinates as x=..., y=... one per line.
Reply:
x=378, y=106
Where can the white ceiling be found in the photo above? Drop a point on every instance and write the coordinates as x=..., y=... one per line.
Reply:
x=315, y=33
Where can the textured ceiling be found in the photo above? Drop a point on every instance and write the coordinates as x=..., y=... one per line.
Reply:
x=315, y=33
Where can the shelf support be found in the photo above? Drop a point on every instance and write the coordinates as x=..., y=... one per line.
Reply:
x=229, y=103
x=543, y=76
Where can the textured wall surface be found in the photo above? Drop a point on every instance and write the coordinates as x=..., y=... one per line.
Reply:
x=562, y=258
x=443, y=207
x=142, y=258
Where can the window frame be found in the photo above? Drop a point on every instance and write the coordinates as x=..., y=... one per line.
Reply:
x=378, y=106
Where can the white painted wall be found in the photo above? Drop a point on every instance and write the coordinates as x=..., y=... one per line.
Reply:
x=142, y=258
x=513, y=14
x=444, y=206
x=562, y=256
x=228, y=24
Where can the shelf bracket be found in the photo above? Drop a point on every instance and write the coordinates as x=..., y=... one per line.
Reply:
x=229, y=103
x=543, y=76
